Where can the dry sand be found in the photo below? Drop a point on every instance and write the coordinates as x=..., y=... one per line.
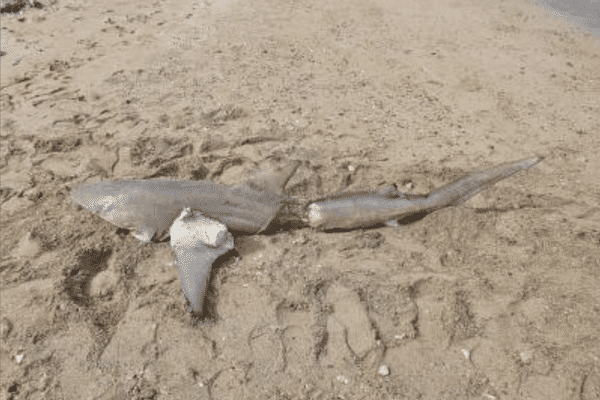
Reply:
x=496, y=299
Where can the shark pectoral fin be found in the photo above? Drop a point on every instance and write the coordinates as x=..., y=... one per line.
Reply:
x=272, y=180
x=197, y=241
x=144, y=234
x=194, y=271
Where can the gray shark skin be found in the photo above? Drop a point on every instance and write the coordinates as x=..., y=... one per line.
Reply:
x=351, y=210
x=197, y=214
x=197, y=242
x=150, y=206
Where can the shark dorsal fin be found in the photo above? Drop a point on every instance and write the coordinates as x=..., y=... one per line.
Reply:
x=272, y=180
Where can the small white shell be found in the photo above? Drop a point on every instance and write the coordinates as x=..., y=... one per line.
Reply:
x=383, y=370
x=467, y=354
x=197, y=241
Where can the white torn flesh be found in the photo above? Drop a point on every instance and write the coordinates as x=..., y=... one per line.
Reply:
x=314, y=215
x=144, y=235
x=197, y=241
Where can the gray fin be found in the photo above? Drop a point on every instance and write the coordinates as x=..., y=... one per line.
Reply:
x=197, y=242
x=463, y=189
x=272, y=180
x=194, y=273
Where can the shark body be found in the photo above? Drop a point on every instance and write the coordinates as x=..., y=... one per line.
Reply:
x=351, y=210
x=189, y=210
x=150, y=206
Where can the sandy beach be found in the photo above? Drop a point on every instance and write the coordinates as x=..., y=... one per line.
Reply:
x=498, y=298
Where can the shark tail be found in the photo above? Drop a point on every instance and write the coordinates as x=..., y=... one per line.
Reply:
x=463, y=189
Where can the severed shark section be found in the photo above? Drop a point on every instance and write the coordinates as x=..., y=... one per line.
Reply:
x=150, y=206
x=195, y=214
x=350, y=210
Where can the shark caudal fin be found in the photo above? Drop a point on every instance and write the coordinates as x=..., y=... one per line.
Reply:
x=463, y=189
